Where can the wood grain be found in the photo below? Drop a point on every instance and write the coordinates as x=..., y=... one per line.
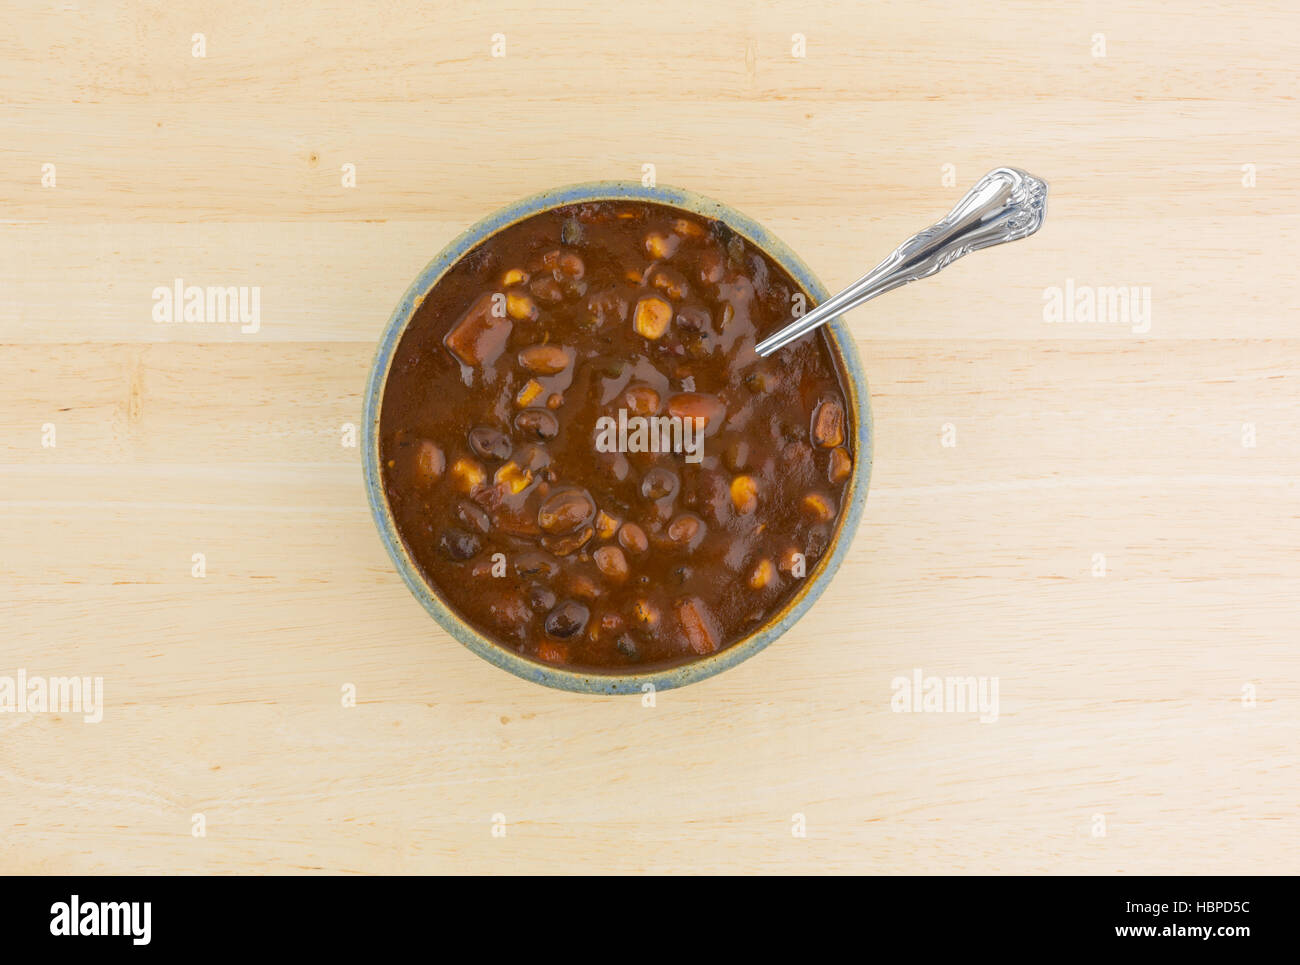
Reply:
x=1120, y=695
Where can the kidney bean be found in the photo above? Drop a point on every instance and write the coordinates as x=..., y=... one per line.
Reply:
x=565, y=511
x=686, y=530
x=633, y=538
x=697, y=624
x=544, y=359
x=611, y=561
x=706, y=409
x=642, y=400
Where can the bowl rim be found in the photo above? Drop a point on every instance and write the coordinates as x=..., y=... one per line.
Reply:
x=816, y=581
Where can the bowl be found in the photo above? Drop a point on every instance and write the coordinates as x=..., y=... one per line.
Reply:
x=851, y=375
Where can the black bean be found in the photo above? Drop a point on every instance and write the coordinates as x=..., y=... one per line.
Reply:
x=571, y=231
x=537, y=423
x=457, y=544
x=473, y=516
x=758, y=274
x=736, y=251
x=567, y=619
x=533, y=457
x=489, y=443
x=658, y=483
x=540, y=598
x=816, y=542
x=533, y=563
x=694, y=318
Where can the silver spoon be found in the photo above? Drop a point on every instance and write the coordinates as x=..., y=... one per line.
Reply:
x=1006, y=204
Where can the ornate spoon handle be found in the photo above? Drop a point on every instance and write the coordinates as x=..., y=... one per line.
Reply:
x=1005, y=205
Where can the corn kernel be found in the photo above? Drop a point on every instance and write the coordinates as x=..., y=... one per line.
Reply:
x=645, y=614
x=583, y=587
x=660, y=246
x=520, y=307
x=840, y=465
x=515, y=276
x=606, y=525
x=429, y=462
x=672, y=285
x=762, y=574
x=529, y=393
x=552, y=652
x=820, y=506
x=469, y=475
x=744, y=494
x=792, y=562
x=652, y=317
x=513, y=477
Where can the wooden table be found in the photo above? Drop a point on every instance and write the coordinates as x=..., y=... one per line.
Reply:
x=1148, y=716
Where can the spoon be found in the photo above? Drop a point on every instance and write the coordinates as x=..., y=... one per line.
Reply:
x=1007, y=204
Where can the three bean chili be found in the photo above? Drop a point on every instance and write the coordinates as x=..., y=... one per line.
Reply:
x=496, y=453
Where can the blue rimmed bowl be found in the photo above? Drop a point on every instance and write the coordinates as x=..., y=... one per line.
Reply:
x=851, y=376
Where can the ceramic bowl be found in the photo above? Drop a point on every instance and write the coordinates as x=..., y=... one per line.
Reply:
x=851, y=375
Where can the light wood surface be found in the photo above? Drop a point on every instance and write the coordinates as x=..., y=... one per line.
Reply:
x=1120, y=695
